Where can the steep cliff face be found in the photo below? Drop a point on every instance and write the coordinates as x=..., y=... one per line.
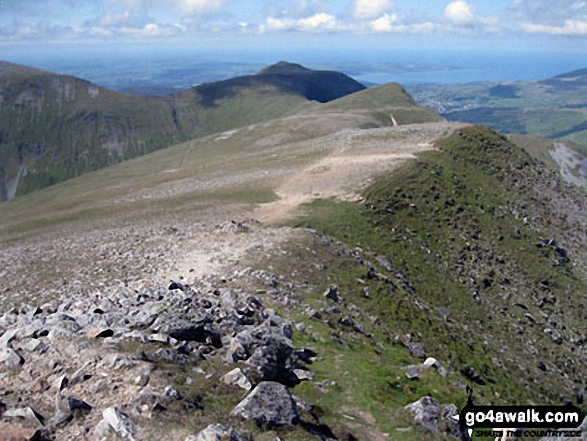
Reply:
x=56, y=127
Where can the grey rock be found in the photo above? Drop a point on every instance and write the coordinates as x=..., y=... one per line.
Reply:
x=433, y=363
x=7, y=338
x=304, y=375
x=447, y=412
x=64, y=330
x=26, y=413
x=121, y=362
x=33, y=345
x=159, y=338
x=216, y=432
x=101, y=332
x=77, y=406
x=332, y=294
x=60, y=420
x=426, y=412
x=236, y=377
x=413, y=372
x=10, y=358
x=171, y=355
x=417, y=350
x=143, y=379
x=120, y=422
x=102, y=429
x=269, y=404
x=170, y=392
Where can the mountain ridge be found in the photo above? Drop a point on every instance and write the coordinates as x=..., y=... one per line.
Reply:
x=40, y=111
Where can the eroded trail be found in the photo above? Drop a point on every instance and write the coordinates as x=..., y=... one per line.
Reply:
x=351, y=160
x=347, y=169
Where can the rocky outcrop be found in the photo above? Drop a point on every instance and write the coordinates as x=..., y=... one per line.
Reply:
x=269, y=404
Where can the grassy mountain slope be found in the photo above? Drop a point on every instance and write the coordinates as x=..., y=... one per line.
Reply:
x=56, y=127
x=486, y=268
x=184, y=174
x=382, y=103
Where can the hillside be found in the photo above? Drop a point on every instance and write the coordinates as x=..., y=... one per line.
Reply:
x=554, y=108
x=55, y=127
x=388, y=104
x=318, y=258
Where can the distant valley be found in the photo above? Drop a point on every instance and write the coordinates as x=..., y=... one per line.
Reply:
x=554, y=108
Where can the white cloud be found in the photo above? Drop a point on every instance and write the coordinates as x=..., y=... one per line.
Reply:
x=384, y=23
x=389, y=24
x=460, y=13
x=461, y=18
x=320, y=22
x=194, y=6
x=369, y=9
x=570, y=27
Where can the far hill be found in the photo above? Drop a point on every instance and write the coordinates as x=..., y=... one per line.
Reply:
x=554, y=108
x=568, y=81
x=388, y=104
x=55, y=127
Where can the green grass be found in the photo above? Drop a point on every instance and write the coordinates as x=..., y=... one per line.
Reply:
x=446, y=222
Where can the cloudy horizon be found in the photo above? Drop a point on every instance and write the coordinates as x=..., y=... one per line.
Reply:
x=501, y=24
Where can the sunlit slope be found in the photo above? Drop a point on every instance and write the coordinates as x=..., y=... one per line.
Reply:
x=386, y=105
x=242, y=166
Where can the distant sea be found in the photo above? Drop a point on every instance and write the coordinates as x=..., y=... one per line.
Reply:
x=179, y=70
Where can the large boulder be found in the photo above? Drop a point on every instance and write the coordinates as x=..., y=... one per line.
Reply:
x=269, y=404
x=426, y=412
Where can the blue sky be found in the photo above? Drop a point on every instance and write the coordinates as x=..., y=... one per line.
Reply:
x=548, y=25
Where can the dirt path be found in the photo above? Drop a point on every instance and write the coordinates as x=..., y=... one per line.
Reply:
x=348, y=169
x=340, y=175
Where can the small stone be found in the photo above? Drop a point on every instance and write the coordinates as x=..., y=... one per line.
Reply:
x=102, y=429
x=417, y=350
x=26, y=413
x=236, y=377
x=10, y=358
x=303, y=375
x=121, y=362
x=159, y=338
x=426, y=412
x=143, y=379
x=332, y=294
x=433, y=363
x=216, y=432
x=60, y=419
x=33, y=345
x=413, y=372
x=170, y=392
x=100, y=333
x=78, y=406
x=120, y=422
